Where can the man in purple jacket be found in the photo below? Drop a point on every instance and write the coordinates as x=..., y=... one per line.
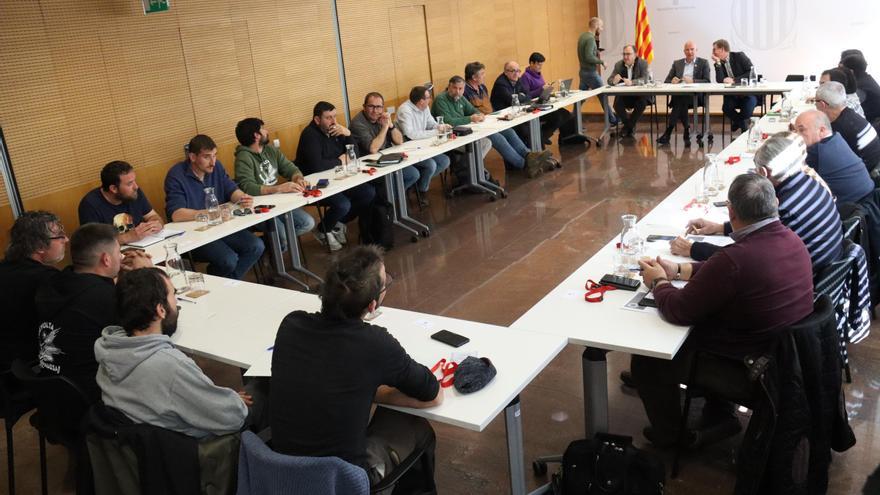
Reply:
x=737, y=302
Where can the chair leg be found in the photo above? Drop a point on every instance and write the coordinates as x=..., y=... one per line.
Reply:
x=44, y=476
x=10, y=455
x=847, y=372
x=682, y=426
x=321, y=222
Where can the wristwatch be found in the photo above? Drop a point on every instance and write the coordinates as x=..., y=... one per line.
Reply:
x=657, y=281
x=678, y=272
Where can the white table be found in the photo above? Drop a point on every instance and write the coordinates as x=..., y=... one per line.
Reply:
x=237, y=321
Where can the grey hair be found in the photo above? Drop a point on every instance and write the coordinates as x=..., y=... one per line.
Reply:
x=753, y=198
x=833, y=93
x=783, y=154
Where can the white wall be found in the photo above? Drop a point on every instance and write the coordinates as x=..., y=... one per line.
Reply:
x=780, y=36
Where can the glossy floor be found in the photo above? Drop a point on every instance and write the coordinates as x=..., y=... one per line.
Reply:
x=491, y=261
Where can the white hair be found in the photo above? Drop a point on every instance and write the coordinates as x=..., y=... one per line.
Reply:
x=833, y=93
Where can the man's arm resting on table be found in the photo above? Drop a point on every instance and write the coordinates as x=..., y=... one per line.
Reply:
x=394, y=397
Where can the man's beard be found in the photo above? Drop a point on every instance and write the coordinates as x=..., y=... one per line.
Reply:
x=169, y=324
x=264, y=140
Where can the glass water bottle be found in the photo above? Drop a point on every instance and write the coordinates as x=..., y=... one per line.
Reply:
x=175, y=268
x=213, y=207
x=632, y=244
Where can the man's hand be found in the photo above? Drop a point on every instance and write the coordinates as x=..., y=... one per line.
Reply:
x=617, y=78
x=681, y=247
x=246, y=398
x=675, y=80
x=134, y=259
x=142, y=230
x=715, y=59
x=477, y=117
x=288, y=187
x=688, y=79
x=670, y=268
x=702, y=226
x=627, y=82
x=728, y=80
x=651, y=269
x=339, y=130
x=245, y=200
x=385, y=120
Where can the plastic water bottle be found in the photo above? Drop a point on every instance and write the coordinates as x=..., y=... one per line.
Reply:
x=213, y=206
x=753, y=77
x=353, y=166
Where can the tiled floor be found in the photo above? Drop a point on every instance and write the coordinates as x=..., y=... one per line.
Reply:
x=490, y=262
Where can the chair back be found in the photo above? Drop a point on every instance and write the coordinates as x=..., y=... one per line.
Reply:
x=262, y=471
x=831, y=279
x=794, y=78
x=60, y=403
x=852, y=228
x=15, y=401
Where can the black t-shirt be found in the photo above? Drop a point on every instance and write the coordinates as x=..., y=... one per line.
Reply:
x=324, y=376
x=18, y=283
x=859, y=135
x=124, y=216
x=72, y=309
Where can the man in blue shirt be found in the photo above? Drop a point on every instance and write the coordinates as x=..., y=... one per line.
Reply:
x=121, y=203
x=233, y=255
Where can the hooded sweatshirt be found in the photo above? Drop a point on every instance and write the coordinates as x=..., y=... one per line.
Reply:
x=151, y=382
x=253, y=169
x=19, y=280
x=72, y=309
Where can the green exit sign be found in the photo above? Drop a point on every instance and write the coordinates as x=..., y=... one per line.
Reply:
x=153, y=6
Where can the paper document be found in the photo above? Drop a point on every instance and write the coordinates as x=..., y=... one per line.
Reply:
x=157, y=237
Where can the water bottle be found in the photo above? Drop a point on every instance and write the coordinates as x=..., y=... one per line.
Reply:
x=754, y=139
x=632, y=244
x=753, y=76
x=712, y=176
x=785, y=110
x=352, y=167
x=442, y=136
x=213, y=207
x=175, y=268
x=650, y=77
x=514, y=103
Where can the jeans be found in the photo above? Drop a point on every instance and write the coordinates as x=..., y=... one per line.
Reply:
x=511, y=148
x=739, y=110
x=410, y=176
x=590, y=79
x=346, y=206
x=302, y=223
x=231, y=256
x=429, y=169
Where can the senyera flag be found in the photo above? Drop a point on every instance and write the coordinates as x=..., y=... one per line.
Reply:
x=644, y=47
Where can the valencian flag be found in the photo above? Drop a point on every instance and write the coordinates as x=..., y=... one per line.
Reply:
x=644, y=47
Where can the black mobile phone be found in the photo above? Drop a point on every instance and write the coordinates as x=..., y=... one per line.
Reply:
x=648, y=300
x=131, y=248
x=269, y=207
x=449, y=338
x=654, y=238
x=322, y=183
x=720, y=204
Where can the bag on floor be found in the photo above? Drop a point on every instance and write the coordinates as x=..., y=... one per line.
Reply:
x=377, y=225
x=610, y=464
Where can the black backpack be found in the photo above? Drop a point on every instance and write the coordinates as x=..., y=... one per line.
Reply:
x=376, y=224
x=609, y=464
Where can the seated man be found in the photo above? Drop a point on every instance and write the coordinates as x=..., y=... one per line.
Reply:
x=805, y=206
x=75, y=304
x=867, y=86
x=731, y=68
x=687, y=70
x=233, y=255
x=144, y=376
x=257, y=167
x=534, y=84
x=416, y=122
x=338, y=367
x=36, y=243
x=856, y=131
x=374, y=131
x=456, y=110
x=322, y=147
x=515, y=154
x=845, y=77
x=630, y=68
x=736, y=302
x=121, y=203
x=830, y=156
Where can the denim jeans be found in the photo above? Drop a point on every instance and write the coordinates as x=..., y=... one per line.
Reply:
x=347, y=205
x=511, y=148
x=231, y=256
x=590, y=79
x=429, y=169
x=410, y=176
x=302, y=223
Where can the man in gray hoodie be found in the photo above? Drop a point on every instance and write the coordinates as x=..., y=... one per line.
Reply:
x=142, y=374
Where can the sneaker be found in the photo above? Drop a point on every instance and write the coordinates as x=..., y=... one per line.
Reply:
x=664, y=139
x=626, y=378
x=328, y=240
x=534, y=164
x=339, y=232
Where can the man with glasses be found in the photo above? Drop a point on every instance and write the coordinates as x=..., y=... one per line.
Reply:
x=337, y=367
x=626, y=72
x=731, y=68
x=855, y=130
x=36, y=242
x=121, y=203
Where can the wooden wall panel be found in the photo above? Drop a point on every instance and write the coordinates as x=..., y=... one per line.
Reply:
x=411, y=59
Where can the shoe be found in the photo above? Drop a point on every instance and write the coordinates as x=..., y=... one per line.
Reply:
x=687, y=135
x=328, y=240
x=534, y=160
x=423, y=201
x=710, y=137
x=664, y=139
x=626, y=378
x=339, y=232
x=573, y=139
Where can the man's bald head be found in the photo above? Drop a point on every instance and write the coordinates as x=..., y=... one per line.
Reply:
x=690, y=51
x=813, y=126
x=512, y=70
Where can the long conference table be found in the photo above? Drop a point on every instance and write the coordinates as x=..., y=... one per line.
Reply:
x=236, y=322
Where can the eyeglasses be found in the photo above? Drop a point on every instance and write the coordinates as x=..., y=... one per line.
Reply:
x=60, y=235
x=374, y=107
x=628, y=53
x=515, y=71
x=388, y=281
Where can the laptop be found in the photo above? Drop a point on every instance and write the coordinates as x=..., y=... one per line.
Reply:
x=545, y=95
x=567, y=84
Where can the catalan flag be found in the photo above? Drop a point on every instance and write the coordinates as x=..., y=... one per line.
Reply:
x=644, y=47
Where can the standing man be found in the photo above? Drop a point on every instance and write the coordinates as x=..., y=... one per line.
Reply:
x=121, y=203
x=258, y=165
x=590, y=61
x=688, y=70
x=730, y=68
x=856, y=131
x=233, y=255
x=322, y=147
x=625, y=71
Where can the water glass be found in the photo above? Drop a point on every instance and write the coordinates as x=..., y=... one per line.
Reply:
x=226, y=211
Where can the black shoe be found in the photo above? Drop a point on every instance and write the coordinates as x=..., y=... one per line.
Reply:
x=626, y=377
x=573, y=139
x=710, y=137
x=687, y=135
x=664, y=139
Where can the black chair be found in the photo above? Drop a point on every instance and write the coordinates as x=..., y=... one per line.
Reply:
x=830, y=281
x=749, y=389
x=15, y=402
x=794, y=78
x=61, y=405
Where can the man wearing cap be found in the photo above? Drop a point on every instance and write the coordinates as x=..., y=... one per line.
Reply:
x=338, y=367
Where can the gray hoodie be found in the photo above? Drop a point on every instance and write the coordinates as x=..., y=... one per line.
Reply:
x=151, y=382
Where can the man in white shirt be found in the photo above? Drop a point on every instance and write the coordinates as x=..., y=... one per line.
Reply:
x=688, y=70
x=415, y=121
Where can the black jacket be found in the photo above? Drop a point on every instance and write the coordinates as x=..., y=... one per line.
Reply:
x=18, y=283
x=869, y=95
x=317, y=151
x=503, y=90
x=739, y=64
x=72, y=309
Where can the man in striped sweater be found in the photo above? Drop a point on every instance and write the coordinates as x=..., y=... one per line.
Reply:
x=805, y=205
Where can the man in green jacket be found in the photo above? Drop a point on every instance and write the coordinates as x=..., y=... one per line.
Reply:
x=257, y=167
x=588, y=56
x=457, y=110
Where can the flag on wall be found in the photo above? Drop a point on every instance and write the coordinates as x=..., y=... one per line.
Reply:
x=644, y=47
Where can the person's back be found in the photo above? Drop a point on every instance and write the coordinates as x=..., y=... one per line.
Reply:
x=808, y=209
x=859, y=135
x=841, y=168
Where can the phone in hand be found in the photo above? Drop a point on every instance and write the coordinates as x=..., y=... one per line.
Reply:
x=654, y=238
x=449, y=338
